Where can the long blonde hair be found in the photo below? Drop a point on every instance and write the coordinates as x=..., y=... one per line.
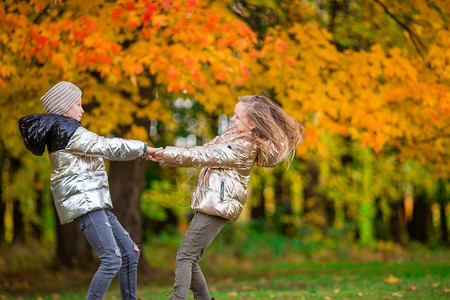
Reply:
x=273, y=126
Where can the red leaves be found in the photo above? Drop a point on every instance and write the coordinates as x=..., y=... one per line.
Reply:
x=130, y=6
x=245, y=71
x=80, y=35
x=41, y=40
x=116, y=13
x=280, y=45
x=150, y=9
x=172, y=72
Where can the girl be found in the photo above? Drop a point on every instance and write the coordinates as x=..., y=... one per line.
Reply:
x=79, y=182
x=261, y=132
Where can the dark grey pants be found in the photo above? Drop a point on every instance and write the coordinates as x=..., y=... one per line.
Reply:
x=201, y=232
x=116, y=251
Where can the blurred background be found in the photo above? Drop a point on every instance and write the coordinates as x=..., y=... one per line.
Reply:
x=369, y=80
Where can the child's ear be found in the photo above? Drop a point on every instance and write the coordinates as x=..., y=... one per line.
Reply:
x=251, y=125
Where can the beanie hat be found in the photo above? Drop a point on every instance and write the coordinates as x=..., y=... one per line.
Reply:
x=60, y=97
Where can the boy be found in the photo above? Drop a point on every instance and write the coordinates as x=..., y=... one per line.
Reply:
x=79, y=182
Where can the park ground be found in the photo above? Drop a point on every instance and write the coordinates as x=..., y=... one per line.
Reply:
x=387, y=272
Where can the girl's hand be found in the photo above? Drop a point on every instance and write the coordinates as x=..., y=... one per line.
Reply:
x=159, y=155
x=151, y=153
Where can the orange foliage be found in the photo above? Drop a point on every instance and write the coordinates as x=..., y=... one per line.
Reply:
x=386, y=96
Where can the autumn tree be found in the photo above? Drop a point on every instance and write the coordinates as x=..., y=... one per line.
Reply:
x=374, y=72
x=128, y=57
x=368, y=78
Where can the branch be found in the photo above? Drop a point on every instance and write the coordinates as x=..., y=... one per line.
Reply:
x=418, y=44
x=433, y=138
x=41, y=13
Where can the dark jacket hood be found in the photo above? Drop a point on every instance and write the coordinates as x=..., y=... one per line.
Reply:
x=38, y=130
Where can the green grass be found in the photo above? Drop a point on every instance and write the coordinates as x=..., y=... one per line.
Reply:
x=252, y=266
x=335, y=281
x=278, y=280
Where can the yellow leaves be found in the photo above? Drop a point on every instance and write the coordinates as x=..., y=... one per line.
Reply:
x=159, y=21
x=438, y=55
x=377, y=96
x=60, y=60
x=400, y=68
x=137, y=133
x=154, y=110
x=391, y=279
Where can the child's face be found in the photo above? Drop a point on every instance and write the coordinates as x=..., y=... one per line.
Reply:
x=75, y=111
x=240, y=122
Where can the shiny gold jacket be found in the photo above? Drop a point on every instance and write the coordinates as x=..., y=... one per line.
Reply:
x=227, y=162
x=79, y=181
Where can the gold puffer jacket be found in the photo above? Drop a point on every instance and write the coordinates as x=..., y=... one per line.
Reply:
x=79, y=182
x=227, y=162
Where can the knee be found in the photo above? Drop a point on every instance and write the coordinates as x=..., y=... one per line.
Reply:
x=131, y=256
x=134, y=254
x=183, y=258
x=112, y=261
x=187, y=255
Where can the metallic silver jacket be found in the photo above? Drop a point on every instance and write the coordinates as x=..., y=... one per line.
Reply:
x=79, y=181
x=227, y=162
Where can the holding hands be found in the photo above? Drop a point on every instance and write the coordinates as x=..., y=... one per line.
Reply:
x=155, y=154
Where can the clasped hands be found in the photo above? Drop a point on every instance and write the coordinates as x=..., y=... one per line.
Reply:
x=155, y=154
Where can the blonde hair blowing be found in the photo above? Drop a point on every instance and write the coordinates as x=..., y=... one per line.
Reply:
x=273, y=126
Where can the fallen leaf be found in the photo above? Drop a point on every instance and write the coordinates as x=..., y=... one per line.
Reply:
x=392, y=279
x=412, y=288
x=396, y=294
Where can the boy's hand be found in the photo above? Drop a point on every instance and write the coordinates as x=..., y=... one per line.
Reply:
x=151, y=154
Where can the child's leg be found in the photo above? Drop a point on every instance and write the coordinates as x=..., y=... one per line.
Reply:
x=201, y=232
x=96, y=228
x=130, y=257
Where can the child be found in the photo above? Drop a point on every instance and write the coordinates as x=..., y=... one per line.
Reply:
x=79, y=182
x=261, y=132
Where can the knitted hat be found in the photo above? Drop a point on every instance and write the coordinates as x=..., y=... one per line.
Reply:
x=60, y=97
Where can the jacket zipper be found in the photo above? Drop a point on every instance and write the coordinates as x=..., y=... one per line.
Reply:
x=222, y=190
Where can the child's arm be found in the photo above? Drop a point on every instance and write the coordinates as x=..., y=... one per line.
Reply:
x=86, y=142
x=231, y=155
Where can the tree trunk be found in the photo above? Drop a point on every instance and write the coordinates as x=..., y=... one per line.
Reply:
x=283, y=210
x=73, y=249
x=397, y=221
x=444, y=237
x=442, y=198
x=126, y=183
x=419, y=226
x=2, y=202
x=258, y=211
x=315, y=213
